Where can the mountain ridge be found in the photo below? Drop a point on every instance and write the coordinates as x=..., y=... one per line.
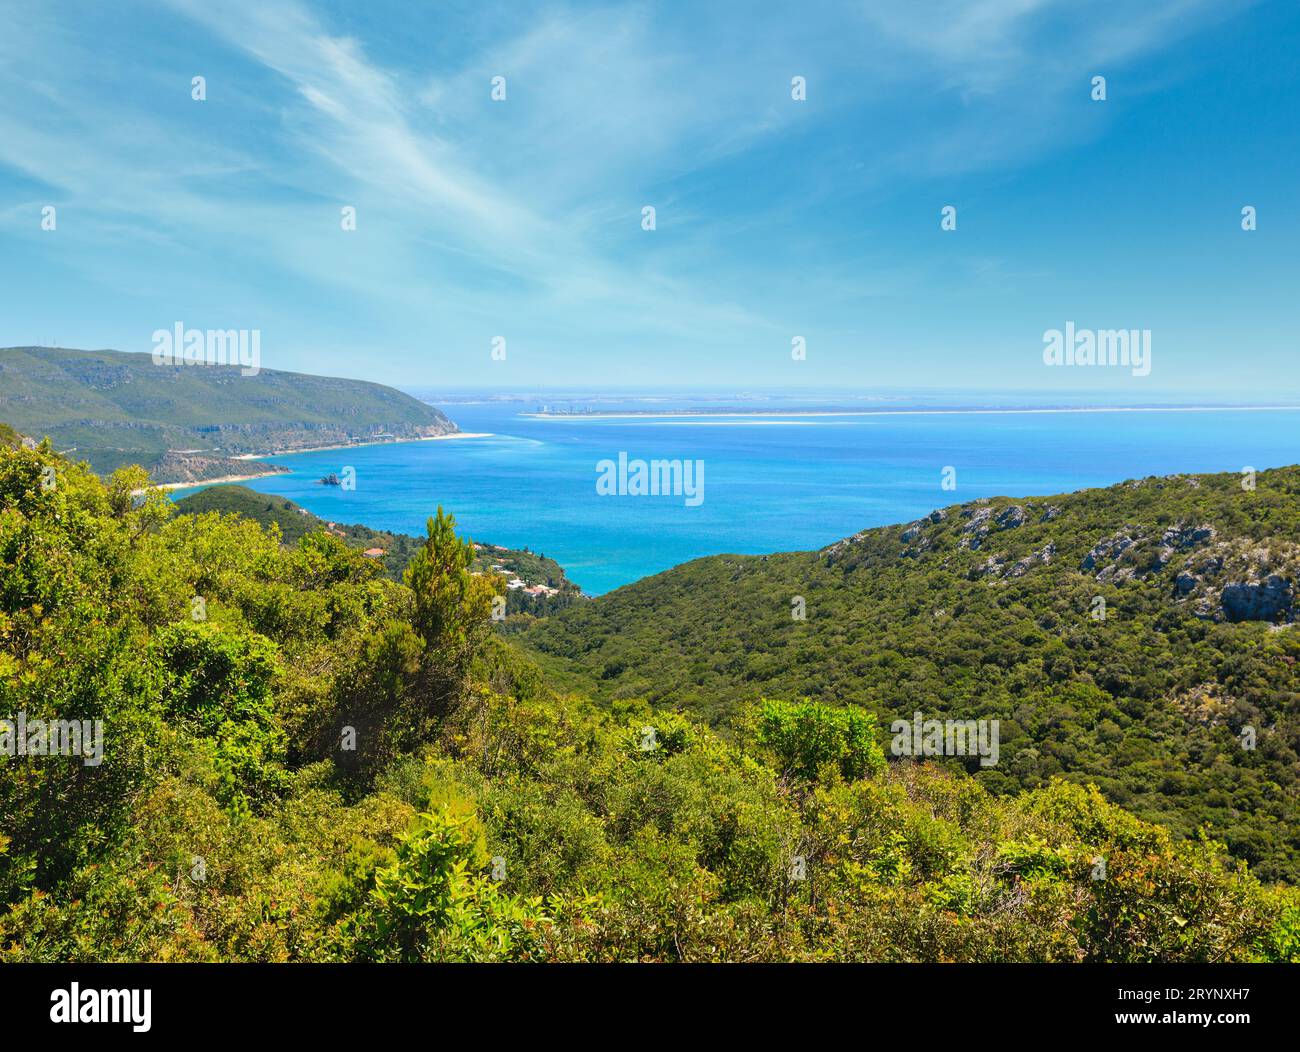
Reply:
x=1126, y=636
x=192, y=422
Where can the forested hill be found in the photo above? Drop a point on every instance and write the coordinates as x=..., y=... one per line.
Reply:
x=1135, y=637
x=187, y=422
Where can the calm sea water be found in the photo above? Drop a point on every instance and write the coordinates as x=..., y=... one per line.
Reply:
x=772, y=484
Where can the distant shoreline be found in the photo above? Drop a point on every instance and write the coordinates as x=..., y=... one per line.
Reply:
x=227, y=479
x=222, y=481
x=766, y=413
x=357, y=445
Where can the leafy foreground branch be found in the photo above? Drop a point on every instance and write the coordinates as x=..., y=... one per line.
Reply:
x=306, y=761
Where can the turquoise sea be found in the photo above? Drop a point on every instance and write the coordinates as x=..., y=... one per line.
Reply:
x=791, y=481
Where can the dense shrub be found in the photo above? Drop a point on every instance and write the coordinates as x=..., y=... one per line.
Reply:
x=317, y=763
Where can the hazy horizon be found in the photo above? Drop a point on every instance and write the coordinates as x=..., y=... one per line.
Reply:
x=804, y=393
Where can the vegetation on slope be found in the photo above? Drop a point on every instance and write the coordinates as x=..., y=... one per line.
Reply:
x=1139, y=637
x=188, y=422
x=319, y=763
x=295, y=522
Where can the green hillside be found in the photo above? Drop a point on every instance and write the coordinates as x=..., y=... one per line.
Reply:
x=187, y=422
x=295, y=522
x=299, y=759
x=991, y=610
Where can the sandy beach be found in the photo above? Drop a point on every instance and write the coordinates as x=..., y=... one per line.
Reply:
x=357, y=445
x=217, y=481
x=225, y=479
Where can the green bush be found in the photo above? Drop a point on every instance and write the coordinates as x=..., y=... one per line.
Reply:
x=326, y=764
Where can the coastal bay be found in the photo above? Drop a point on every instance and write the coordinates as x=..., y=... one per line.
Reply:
x=794, y=480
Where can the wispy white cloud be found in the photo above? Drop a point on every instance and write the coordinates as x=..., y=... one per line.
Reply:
x=476, y=215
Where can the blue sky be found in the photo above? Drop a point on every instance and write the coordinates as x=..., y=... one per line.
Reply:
x=775, y=218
